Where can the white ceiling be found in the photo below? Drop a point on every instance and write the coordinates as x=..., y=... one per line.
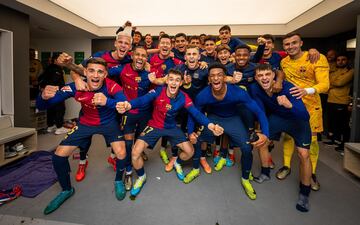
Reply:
x=49, y=20
x=109, y=13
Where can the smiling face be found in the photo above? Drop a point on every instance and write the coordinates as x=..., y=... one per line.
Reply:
x=136, y=38
x=139, y=58
x=95, y=75
x=148, y=40
x=122, y=46
x=341, y=61
x=217, y=79
x=164, y=47
x=265, y=78
x=195, y=42
x=173, y=81
x=180, y=43
x=292, y=46
x=242, y=57
x=223, y=56
x=224, y=36
x=209, y=47
x=269, y=46
x=192, y=57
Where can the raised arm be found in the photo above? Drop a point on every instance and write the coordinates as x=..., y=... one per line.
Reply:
x=51, y=95
x=66, y=60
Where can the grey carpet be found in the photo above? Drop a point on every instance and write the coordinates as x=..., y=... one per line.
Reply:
x=213, y=198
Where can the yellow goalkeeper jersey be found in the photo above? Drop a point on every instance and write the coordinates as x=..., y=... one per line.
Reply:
x=304, y=74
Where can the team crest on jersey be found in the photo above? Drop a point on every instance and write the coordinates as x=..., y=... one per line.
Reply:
x=196, y=75
x=163, y=66
x=168, y=106
x=302, y=69
x=66, y=89
x=138, y=79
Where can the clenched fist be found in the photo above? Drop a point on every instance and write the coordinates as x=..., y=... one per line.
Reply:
x=284, y=101
x=152, y=77
x=216, y=129
x=193, y=138
x=99, y=99
x=237, y=76
x=49, y=92
x=122, y=107
x=64, y=59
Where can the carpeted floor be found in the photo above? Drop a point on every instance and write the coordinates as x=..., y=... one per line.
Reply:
x=210, y=199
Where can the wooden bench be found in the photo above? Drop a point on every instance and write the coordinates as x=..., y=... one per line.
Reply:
x=352, y=158
x=10, y=135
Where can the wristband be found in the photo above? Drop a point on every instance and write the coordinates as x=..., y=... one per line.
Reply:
x=310, y=91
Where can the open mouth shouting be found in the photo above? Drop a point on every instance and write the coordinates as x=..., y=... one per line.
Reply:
x=267, y=51
x=139, y=64
x=217, y=85
x=181, y=48
x=266, y=84
x=121, y=52
x=173, y=89
x=165, y=51
x=94, y=83
x=192, y=63
x=223, y=60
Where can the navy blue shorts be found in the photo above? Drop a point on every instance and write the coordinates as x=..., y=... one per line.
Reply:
x=299, y=130
x=132, y=123
x=81, y=134
x=247, y=116
x=233, y=127
x=151, y=135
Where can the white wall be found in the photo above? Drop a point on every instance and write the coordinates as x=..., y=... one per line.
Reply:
x=6, y=73
x=69, y=46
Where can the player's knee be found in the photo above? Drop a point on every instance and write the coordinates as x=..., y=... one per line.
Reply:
x=119, y=152
x=303, y=154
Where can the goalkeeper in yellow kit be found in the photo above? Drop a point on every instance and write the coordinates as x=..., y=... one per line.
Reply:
x=310, y=80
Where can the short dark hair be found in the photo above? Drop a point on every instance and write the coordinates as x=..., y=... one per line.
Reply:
x=268, y=37
x=176, y=72
x=243, y=46
x=96, y=60
x=209, y=38
x=194, y=38
x=216, y=65
x=139, y=33
x=180, y=35
x=138, y=47
x=263, y=66
x=344, y=54
x=225, y=27
x=289, y=35
x=164, y=36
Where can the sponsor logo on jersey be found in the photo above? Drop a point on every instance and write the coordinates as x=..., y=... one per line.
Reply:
x=168, y=106
x=138, y=79
x=163, y=66
x=66, y=89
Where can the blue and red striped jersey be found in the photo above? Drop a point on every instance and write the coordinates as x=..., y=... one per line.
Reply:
x=111, y=62
x=166, y=108
x=90, y=114
x=135, y=83
x=161, y=67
